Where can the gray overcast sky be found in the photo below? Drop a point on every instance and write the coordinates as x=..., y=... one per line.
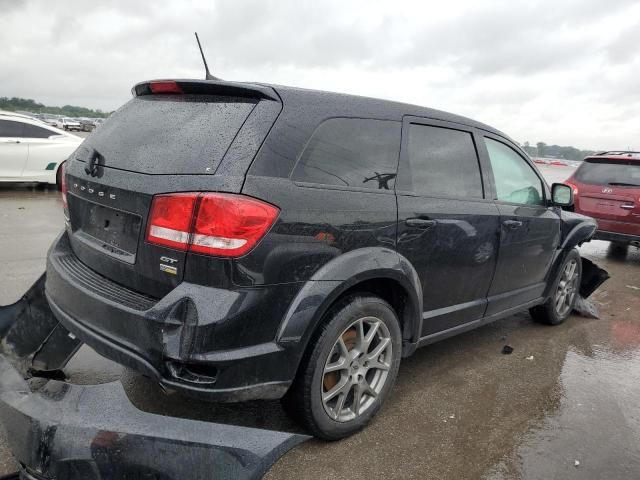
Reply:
x=563, y=71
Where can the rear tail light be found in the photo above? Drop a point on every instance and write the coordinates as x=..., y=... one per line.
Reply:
x=63, y=184
x=219, y=224
x=171, y=219
x=573, y=187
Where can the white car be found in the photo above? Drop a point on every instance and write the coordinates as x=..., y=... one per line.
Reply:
x=68, y=124
x=32, y=151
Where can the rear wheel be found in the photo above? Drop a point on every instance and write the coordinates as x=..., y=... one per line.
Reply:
x=618, y=250
x=349, y=370
x=565, y=292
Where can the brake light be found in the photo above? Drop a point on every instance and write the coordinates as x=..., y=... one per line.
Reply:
x=170, y=220
x=63, y=185
x=165, y=87
x=573, y=187
x=219, y=224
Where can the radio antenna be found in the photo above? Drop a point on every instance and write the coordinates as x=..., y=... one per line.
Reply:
x=208, y=75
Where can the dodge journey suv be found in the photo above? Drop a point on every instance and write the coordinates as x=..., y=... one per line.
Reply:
x=238, y=241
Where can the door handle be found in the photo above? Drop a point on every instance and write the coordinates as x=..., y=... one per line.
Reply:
x=420, y=222
x=512, y=224
x=628, y=207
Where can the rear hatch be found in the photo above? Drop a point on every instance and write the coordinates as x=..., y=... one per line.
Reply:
x=174, y=141
x=610, y=192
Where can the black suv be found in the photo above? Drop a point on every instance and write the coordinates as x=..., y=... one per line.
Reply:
x=240, y=241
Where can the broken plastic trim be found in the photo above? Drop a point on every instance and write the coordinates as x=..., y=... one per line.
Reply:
x=58, y=430
x=31, y=336
x=592, y=277
x=94, y=432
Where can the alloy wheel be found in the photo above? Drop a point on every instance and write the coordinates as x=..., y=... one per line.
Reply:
x=356, y=369
x=567, y=288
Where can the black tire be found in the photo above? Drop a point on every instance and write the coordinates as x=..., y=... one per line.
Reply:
x=548, y=313
x=304, y=400
x=59, y=178
x=618, y=250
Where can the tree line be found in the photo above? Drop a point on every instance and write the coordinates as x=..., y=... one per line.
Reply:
x=29, y=105
x=541, y=149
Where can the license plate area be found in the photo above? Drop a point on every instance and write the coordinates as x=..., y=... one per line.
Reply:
x=616, y=209
x=114, y=232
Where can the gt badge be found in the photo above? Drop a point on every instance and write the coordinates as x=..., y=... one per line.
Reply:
x=170, y=269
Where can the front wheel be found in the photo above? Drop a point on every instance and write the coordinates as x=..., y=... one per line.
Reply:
x=349, y=370
x=565, y=290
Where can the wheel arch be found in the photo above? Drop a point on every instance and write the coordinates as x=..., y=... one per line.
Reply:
x=379, y=271
x=577, y=229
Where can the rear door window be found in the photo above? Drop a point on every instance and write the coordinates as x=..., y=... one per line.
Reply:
x=171, y=134
x=33, y=131
x=441, y=162
x=9, y=128
x=351, y=152
x=609, y=172
x=515, y=179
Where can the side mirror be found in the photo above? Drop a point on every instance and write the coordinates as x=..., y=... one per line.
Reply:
x=562, y=195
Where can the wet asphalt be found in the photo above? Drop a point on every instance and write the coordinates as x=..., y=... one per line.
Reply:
x=563, y=405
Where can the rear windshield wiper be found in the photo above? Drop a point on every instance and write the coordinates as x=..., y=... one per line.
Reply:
x=623, y=184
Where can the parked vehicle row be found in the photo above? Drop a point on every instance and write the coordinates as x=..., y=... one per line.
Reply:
x=81, y=124
x=69, y=124
x=32, y=151
x=302, y=247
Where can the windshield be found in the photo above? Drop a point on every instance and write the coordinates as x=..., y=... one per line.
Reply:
x=170, y=134
x=609, y=172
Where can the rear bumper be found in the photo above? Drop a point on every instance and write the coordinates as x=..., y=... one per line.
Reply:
x=211, y=343
x=92, y=432
x=616, y=237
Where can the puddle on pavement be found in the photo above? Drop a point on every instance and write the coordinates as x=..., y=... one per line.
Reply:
x=592, y=429
x=597, y=423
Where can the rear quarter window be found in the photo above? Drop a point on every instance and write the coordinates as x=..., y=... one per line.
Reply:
x=351, y=152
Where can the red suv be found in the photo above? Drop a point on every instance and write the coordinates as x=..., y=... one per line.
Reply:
x=607, y=187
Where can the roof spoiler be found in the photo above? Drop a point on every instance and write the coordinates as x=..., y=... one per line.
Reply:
x=208, y=87
x=629, y=153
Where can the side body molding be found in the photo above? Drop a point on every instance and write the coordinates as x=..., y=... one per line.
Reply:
x=343, y=273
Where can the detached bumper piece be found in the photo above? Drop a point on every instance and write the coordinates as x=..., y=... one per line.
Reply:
x=58, y=430
x=592, y=277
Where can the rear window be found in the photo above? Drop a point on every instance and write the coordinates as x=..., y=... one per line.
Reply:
x=171, y=134
x=352, y=152
x=609, y=172
x=33, y=131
